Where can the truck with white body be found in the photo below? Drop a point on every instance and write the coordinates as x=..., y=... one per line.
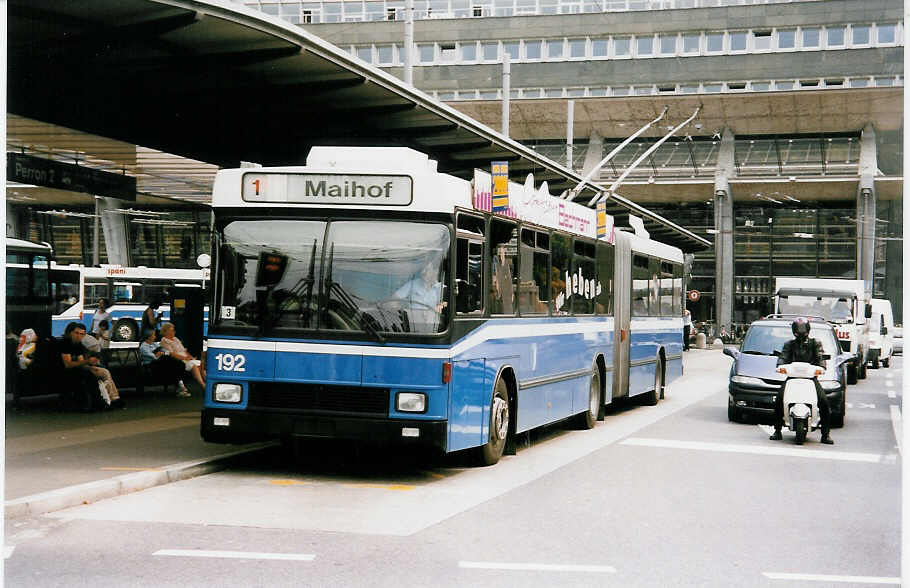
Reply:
x=844, y=303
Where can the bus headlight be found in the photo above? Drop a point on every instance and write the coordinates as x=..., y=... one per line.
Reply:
x=411, y=402
x=228, y=393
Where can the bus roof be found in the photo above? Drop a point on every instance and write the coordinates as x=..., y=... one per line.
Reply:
x=22, y=246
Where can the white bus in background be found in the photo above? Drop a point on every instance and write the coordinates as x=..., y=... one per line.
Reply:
x=76, y=289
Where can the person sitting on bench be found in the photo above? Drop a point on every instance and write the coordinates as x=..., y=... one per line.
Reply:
x=74, y=357
x=163, y=367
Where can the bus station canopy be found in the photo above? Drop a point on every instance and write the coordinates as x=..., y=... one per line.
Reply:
x=220, y=83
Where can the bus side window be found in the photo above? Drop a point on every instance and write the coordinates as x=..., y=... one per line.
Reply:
x=584, y=286
x=678, y=303
x=653, y=287
x=639, y=285
x=533, y=283
x=604, y=299
x=560, y=280
x=504, y=261
x=469, y=264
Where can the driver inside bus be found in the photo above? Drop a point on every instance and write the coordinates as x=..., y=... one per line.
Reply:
x=424, y=290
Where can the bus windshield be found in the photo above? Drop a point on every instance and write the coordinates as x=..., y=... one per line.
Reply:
x=352, y=275
x=837, y=310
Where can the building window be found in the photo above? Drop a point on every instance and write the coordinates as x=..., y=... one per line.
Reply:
x=761, y=86
x=859, y=82
x=786, y=39
x=390, y=13
x=714, y=42
x=644, y=46
x=532, y=49
x=810, y=38
x=576, y=47
x=622, y=46
x=511, y=48
x=306, y=16
x=598, y=48
x=738, y=41
x=836, y=36
x=426, y=53
x=490, y=51
x=477, y=11
x=447, y=53
x=554, y=49
x=469, y=52
x=861, y=34
x=761, y=40
x=365, y=53
x=783, y=85
x=886, y=33
x=691, y=43
x=386, y=54
x=667, y=44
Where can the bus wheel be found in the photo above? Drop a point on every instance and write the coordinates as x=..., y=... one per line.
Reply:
x=492, y=450
x=125, y=330
x=658, y=391
x=588, y=418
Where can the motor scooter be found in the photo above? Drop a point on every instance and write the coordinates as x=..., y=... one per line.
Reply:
x=801, y=413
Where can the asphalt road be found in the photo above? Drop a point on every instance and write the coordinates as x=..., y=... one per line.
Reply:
x=672, y=495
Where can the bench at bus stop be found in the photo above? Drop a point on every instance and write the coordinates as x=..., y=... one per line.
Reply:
x=47, y=376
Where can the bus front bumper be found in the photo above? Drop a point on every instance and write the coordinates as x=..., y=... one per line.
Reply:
x=231, y=426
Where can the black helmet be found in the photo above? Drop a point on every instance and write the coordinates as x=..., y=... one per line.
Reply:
x=800, y=327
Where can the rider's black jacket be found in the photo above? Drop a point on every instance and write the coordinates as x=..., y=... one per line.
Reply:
x=805, y=350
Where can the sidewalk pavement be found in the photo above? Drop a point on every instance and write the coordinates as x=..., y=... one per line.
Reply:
x=55, y=459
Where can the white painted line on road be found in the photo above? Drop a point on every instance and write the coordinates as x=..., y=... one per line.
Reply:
x=8, y=551
x=767, y=429
x=758, y=450
x=236, y=554
x=829, y=578
x=897, y=426
x=536, y=567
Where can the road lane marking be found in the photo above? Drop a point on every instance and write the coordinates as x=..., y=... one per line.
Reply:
x=758, y=450
x=536, y=567
x=897, y=426
x=830, y=578
x=288, y=482
x=236, y=554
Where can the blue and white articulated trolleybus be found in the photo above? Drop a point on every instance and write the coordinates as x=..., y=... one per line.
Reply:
x=367, y=296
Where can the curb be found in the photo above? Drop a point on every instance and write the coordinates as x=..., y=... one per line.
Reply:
x=54, y=500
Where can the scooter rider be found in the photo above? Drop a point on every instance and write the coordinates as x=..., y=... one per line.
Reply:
x=803, y=349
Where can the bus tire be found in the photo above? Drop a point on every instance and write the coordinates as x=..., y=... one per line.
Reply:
x=657, y=393
x=587, y=419
x=490, y=452
x=125, y=330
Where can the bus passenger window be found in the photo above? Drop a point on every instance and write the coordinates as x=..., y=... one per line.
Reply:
x=604, y=299
x=559, y=287
x=503, y=260
x=666, y=289
x=584, y=286
x=533, y=283
x=639, y=285
x=468, y=276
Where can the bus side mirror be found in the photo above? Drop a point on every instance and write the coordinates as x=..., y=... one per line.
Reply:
x=868, y=310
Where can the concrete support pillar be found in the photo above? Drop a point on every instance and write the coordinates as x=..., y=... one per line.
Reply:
x=723, y=237
x=114, y=225
x=866, y=209
x=594, y=153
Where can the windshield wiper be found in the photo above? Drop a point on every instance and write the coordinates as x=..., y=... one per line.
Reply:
x=754, y=352
x=345, y=300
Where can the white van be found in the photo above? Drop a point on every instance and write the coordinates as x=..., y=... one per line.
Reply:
x=838, y=301
x=881, y=333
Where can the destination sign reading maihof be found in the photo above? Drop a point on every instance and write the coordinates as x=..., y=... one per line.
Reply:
x=343, y=190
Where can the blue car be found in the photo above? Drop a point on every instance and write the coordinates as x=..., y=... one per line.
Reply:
x=755, y=382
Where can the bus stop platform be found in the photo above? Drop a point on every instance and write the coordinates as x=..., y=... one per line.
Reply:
x=56, y=459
